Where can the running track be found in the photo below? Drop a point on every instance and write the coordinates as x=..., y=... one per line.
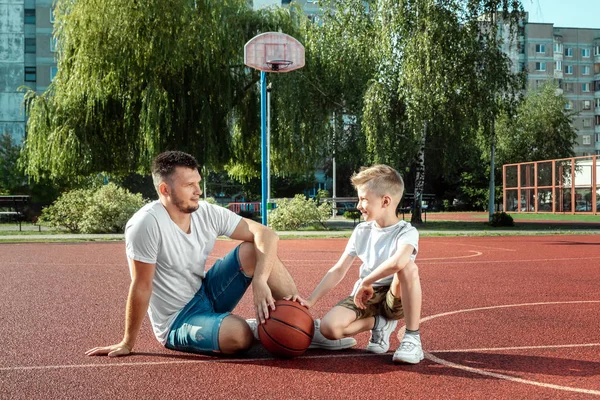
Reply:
x=503, y=318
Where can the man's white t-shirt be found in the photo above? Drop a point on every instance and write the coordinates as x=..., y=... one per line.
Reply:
x=152, y=237
x=374, y=245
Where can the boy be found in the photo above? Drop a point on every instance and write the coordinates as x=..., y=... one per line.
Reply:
x=388, y=285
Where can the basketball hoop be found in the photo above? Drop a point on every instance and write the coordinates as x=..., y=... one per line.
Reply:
x=279, y=65
x=274, y=52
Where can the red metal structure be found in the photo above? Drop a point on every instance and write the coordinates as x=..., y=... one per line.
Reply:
x=568, y=185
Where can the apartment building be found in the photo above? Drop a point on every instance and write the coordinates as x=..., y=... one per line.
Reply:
x=27, y=50
x=570, y=56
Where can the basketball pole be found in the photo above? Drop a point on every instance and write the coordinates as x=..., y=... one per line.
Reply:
x=263, y=143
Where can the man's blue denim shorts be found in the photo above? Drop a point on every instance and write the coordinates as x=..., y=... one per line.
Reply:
x=196, y=328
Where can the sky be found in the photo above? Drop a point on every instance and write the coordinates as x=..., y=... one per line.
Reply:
x=564, y=13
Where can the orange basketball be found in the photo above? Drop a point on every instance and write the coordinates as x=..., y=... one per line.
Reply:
x=288, y=331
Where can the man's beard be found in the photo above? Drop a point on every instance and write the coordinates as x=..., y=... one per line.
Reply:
x=180, y=204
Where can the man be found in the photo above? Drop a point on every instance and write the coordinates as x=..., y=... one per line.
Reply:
x=168, y=242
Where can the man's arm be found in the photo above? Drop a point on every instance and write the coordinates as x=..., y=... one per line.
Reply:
x=391, y=266
x=265, y=244
x=138, y=299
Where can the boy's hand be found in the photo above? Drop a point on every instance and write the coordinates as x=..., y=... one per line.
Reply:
x=303, y=302
x=363, y=294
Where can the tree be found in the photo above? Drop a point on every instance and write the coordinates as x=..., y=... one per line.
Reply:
x=541, y=129
x=11, y=177
x=136, y=79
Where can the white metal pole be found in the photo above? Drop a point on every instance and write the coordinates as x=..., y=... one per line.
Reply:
x=204, y=179
x=334, y=211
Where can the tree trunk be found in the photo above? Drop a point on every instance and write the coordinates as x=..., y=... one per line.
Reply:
x=419, y=179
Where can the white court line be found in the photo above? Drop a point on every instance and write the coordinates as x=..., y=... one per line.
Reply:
x=518, y=261
x=175, y=362
x=475, y=245
x=557, y=346
x=507, y=377
x=476, y=254
x=437, y=360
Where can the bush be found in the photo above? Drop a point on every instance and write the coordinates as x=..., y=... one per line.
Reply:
x=291, y=214
x=103, y=210
x=502, y=219
x=353, y=215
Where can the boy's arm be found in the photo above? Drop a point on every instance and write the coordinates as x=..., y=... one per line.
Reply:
x=391, y=266
x=329, y=281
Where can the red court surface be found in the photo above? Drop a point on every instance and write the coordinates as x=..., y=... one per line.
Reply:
x=503, y=318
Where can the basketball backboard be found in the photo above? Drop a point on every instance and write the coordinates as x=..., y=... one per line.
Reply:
x=274, y=52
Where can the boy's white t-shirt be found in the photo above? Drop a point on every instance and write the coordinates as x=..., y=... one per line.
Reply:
x=152, y=237
x=374, y=245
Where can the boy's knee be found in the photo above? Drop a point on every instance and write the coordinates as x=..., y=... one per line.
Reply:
x=247, y=256
x=329, y=330
x=410, y=271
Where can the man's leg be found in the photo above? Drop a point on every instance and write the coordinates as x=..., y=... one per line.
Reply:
x=280, y=281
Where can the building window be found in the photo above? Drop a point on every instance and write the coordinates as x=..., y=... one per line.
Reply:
x=53, y=44
x=30, y=75
x=569, y=105
x=52, y=15
x=30, y=16
x=585, y=70
x=558, y=66
x=522, y=67
x=568, y=52
x=587, y=139
x=557, y=48
x=53, y=71
x=598, y=152
x=597, y=51
x=568, y=86
x=585, y=87
x=29, y=45
x=585, y=53
x=540, y=66
x=569, y=69
x=540, y=48
x=587, y=104
x=587, y=123
x=597, y=101
x=598, y=121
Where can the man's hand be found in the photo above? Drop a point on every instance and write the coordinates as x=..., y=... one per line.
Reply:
x=263, y=299
x=116, y=350
x=303, y=302
x=363, y=294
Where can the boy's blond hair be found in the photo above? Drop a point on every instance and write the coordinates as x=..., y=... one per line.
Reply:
x=380, y=179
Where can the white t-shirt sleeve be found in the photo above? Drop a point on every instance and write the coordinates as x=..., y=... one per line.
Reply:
x=223, y=220
x=142, y=238
x=411, y=237
x=351, y=245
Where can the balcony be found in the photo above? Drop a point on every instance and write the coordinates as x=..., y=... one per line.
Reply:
x=597, y=129
x=597, y=58
x=558, y=56
x=558, y=74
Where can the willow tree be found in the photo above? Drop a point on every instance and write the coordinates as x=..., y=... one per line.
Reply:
x=135, y=79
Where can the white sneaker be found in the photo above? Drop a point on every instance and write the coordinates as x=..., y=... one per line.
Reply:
x=253, y=324
x=410, y=351
x=321, y=342
x=380, y=338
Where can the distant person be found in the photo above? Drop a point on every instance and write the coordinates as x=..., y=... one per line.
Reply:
x=388, y=287
x=168, y=242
